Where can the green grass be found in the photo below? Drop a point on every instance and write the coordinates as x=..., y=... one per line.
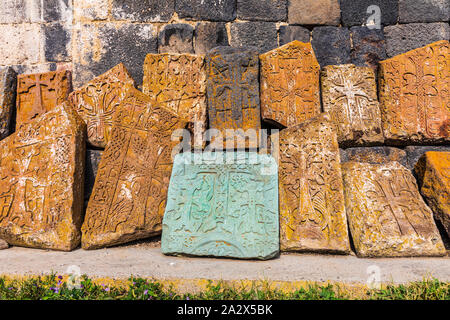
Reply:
x=53, y=287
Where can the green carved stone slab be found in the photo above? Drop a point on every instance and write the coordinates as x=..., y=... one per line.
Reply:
x=222, y=204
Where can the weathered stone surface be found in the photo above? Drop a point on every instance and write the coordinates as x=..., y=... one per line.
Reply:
x=349, y=94
x=374, y=155
x=41, y=182
x=8, y=85
x=22, y=48
x=209, y=35
x=222, y=204
x=290, y=91
x=212, y=10
x=178, y=83
x=369, y=47
x=414, y=95
x=19, y=11
x=93, y=158
x=3, y=244
x=424, y=11
x=315, y=12
x=143, y=10
x=176, y=38
x=290, y=33
x=405, y=37
x=58, y=38
x=433, y=171
x=262, y=10
x=39, y=93
x=354, y=13
x=87, y=10
x=233, y=89
x=331, y=45
x=97, y=101
x=57, y=10
x=387, y=216
x=260, y=35
x=129, y=195
x=312, y=212
x=414, y=153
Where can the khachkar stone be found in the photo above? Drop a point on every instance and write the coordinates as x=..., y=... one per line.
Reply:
x=41, y=181
x=97, y=101
x=8, y=84
x=290, y=92
x=233, y=90
x=433, y=171
x=39, y=93
x=312, y=212
x=222, y=204
x=129, y=195
x=349, y=95
x=414, y=95
x=387, y=216
x=178, y=83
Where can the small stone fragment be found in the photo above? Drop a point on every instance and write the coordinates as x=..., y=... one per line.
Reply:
x=349, y=94
x=8, y=85
x=387, y=216
x=374, y=155
x=290, y=92
x=314, y=12
x=41, y=92
x=414, y=153
x=222, y=204
x=97, y=101
x=3, y=244
x=129, y=195
x=176, y=38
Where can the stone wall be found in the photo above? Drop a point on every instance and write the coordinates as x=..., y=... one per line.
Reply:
x=91, y=36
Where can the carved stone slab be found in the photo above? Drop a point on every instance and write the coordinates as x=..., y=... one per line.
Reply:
x=312, y=211
x=414, y=95
x=97, y=101
x=387, y=216
x=39, y=93
x=129, y=195
x=178, y=83
x=290, y=91
x=224, y=205
x=8, y=84
x=433, y=171
x=41, y=182
x=349, y=94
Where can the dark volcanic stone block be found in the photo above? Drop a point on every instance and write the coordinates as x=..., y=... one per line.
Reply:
x=354, y=12
x=209, y=35
x=331, y=45
x=8, y=86
x=143, y=10
x=369, y=46
x=211, y=10
x=291, y=33
x=424, y=11
x=374, y=155
x=415, y=152
x=57, y=41
x=261, y=35
x=262, y=10
x=176, y=38
x=93, y=158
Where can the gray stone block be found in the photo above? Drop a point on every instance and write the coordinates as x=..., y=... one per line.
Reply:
x=209, y=35
x=57, y=42
x=354, y=12
x=260, y=35
x=210, y=10
x=176, y=38
x=143, y=10
x=262, y=10
x=290, y=33
x=331, y=45
x=415, y=152
x=424, y=11
x=314, y=12
x=369, y=46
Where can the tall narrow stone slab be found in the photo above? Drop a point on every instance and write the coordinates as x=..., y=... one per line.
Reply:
x=433, y=171
x=222, y=204
x=178, y=83
x=41, y=182
x=97, y=101
x=39, y=93
x=312, y=212
x=290, y=91
x=8, y=85
x=349, y=94
x=129, y=195
x=386, y=214
x=414, y=95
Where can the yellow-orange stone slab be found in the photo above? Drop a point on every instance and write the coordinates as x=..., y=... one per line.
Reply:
x=386, y=214
x=97, y=101
x=129, y=195
x=178, y=82
x=349, y=94
x=312, y=211
x=415, y=95
x=433, y=171
x=290, y=91
x=41, y=182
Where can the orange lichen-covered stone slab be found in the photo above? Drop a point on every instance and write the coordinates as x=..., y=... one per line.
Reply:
x=41, y=181
x=349, y=94
x=178, y=83
x=433, y=171
x=130, y=190
x=312, y=212
x=386, y=214
x=415, y=94
x=39, y=93
x=290, y=91
x=97, y=101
